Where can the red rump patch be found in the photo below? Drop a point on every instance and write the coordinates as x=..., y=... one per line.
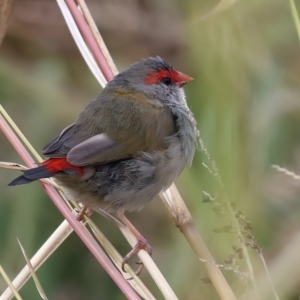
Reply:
x=54, y=165
x=175, y=76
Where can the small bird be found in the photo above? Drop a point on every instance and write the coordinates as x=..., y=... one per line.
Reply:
x=127, y=145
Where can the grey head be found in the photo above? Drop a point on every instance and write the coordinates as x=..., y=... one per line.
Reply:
x=155, y=78
x=159, y=81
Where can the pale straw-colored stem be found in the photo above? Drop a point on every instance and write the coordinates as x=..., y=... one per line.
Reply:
x=183, y=220
x=53, y=242
x=83, y=48
x=295, y=16
x=13, y=290
x=286, y=172
x=97, y=36
x=284, y=272
x=213, y=170
x=132, y=278
x=218, y=8
x=150, y=265
x=88, y=36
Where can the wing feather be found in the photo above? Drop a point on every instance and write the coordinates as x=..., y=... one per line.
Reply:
x=114, y=126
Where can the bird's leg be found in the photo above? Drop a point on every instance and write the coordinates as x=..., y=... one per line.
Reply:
x=141, y=244
x=84, y=210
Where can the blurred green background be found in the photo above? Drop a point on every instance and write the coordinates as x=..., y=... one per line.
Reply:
x=246, y=100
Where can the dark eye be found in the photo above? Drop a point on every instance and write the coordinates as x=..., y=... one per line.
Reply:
x=166, y=80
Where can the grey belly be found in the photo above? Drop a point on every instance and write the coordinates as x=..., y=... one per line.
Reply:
x=128, y=184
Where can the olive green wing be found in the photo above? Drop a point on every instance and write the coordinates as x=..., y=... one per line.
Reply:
x=113, y=127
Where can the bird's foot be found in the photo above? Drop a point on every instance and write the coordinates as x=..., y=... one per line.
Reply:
x=85, y=210
x=142, y=244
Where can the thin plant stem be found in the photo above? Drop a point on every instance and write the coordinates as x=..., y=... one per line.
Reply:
x=215, y=172
x=268, y=275
x=183, y=220
x=86, y=32
x=33, y=275
x=19, y=133
x=117, y=259
x=11, y=287
x=81, y=44
x=245, y=249
x=45, y=251
x=97, y=36
x=287, y=172
x=219, y=8
x=295, y=17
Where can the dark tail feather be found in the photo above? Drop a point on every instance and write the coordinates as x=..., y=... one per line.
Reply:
x=32, y=175
x=20, y=180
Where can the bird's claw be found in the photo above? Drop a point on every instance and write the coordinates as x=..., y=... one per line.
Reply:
x=142, y=244
x=85, y=210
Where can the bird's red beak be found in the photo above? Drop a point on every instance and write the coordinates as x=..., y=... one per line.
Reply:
x=181, y=79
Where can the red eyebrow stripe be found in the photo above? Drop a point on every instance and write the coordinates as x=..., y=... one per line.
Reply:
x=156, y=76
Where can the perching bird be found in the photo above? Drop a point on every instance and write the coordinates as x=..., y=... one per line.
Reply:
x=129, y=144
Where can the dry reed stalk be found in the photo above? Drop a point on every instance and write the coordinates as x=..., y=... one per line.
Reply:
x=184, y=221
x=10, y=284
x=53, y=242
